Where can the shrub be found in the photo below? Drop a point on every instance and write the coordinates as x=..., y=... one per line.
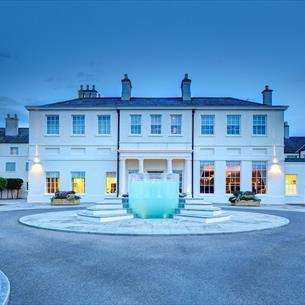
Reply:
x=238, y=196
x=68, y=195
x=3, y=183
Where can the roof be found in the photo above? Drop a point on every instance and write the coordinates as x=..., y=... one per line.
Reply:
x=294, y=144
x=152, y=102
x=299, y=160
x=22, y=137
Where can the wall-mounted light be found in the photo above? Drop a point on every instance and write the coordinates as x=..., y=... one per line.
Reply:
x=275, y=167
x=36, y=155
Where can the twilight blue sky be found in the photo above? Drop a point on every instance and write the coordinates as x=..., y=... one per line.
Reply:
x=229, y=48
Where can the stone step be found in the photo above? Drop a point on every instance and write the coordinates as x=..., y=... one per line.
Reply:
x=197, y=201
x=212, y=219
x=201, y=207
x=108, y=218
x=106, y=206
x=112, y=200
x=105, y=212
x=200, y=212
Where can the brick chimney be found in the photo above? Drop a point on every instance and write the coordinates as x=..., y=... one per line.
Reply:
x=87, y=93
x=11, y=126
x=267, y=96
x=286, y=130
x=126, y=88
x=186, y=88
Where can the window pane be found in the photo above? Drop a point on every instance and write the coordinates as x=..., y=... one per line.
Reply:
x=207, y=124
x=233, y=124
x=291, y=184
x=207, y=173
x=232, y=177
x=78, y=124
x=52, y=124
x=176, y=123
x=259, y=124
x=155, y=127
x=111, y=182
x=52, y=182
x=135, y=124
x=10, y=166
x=259, y=177
x=104, y=124
x=78, y=182
x=14, y=151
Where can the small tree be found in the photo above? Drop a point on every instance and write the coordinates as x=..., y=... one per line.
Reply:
x=3, y=183
x=14, y=184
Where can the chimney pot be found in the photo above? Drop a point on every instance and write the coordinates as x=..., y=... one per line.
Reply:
x=286, y=130
x=186, y=88
x=126, y=88
x=267, y=96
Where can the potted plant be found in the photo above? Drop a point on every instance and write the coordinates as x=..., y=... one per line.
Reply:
x=244, y=199
x=65, y=198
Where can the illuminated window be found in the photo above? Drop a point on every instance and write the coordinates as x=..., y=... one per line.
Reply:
x=14, y=151
x=207, y=173
x=176, y=123
x=10, y=166
x=78, y=124
x=259, y=124
x=291, y=184
x=233, y=124
x=155, y=124
x=78, y=182
x=207, y=124
x=259, y=177
x=52, y=124
x=52, y=182
x=111, y=182
x=232, y=177
x=104, y=124
x=135, y=124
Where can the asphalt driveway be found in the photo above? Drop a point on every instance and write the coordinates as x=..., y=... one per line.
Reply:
x=47, y=267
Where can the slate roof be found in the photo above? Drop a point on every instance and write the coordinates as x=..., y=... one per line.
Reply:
x=299, y=160
x=151, y=102
x=23, y=136
x=294, y=144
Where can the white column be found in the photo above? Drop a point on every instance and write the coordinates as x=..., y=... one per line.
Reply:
x=188, y=177
x=141, y=166
x=170, y=166
x=122, y=177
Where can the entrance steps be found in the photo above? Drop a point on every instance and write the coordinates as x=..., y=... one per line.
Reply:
x=111, y=209
x=196, y=201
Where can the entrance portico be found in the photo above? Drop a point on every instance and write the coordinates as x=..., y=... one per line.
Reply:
x=165, y=161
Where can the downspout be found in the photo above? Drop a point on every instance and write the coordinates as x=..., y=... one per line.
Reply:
x=193, y=113
x=118, y=155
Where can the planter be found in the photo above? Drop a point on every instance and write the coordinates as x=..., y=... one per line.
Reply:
x=65, y=202
x=249, y=203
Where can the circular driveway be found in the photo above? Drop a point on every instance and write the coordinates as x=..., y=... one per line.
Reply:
x=48, y=267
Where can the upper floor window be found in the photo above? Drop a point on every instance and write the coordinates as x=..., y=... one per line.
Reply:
x=176, y=123
x=104, y=123
x=232, y=177
x=52, y=124
x=233, y=124
x=52, y=182
x=14, y=151
x=259, y=177
x=78, y=124
x=291, y=184
x=155, y=124
x=259, y=124
x=207, y=124
x=10, y=166
x=135, y=124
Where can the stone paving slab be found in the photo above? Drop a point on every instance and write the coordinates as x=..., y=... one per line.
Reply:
x=69, y=222
x=4, y=289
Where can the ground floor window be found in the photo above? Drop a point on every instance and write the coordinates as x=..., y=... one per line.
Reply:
x=52, y=182
x=78, y=182
x=111, y=182
x=259, y=177
x=291, y=184
x=232, y=177
x=207, y=172
x=179, y=172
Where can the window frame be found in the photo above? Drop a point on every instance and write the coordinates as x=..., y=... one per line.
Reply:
x=56, y=128
x=52, y=182
x=10, y=163
x=177, y=125
x=155, y=125
x=17, y=150
x=106, y=182
x=84, y=180
x=265, y=126
x=202, y=116
x=138, y=125
x=296, y=185
x=236, y=187
x=211, y=177
x=261, y=178
x=81, y=128
x=99, y=126
x=232, y=125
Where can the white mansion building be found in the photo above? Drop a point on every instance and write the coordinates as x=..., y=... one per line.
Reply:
x=217, y=145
